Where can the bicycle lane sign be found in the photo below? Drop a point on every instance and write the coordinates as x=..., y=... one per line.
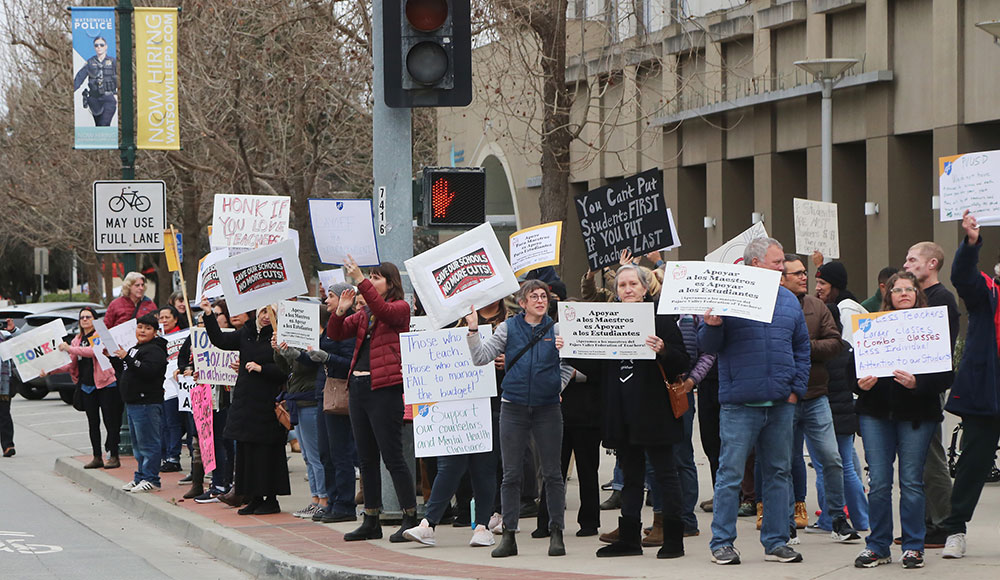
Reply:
x=129, y=216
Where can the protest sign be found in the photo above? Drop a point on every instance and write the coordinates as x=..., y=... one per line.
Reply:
x=298, y=324
x=468, y=270
x=327, y=278
x=201, y=409
x=129, y=216
x=732, y=251
x=420, y=323
x=260, y=277
x=452, y=427
x=341, y=227
x=184, y=386
x=606, y=330
x=249, y=221
x=95, y=81
x=175, y=340
x=437, y=366
x=728, y=289
x=816, y=228
x=625, y=215
x=212, y=364
x=37, y=350
x=207, y=284
x=120, y=337
x=969, y=182
x=535, y=247
x=916, y=340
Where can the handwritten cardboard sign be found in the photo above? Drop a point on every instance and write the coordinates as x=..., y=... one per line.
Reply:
x=917, y=340
x=37, y=350
x=341, y=227
x=452, y=428
x=201, y=409
x=728, y=289
x=298, y=324
x=732, y=251
x=212, y=364
x=327, y=278
x=437, y=366
x=970, y=181
x=535, y=247
x=249, y=221
x=260, y=277
x=606, y=330
x=816, y=228
x=175, y=340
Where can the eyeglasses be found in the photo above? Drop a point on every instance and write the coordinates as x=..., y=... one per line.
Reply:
x=99, y=44
x=537, y=297
x=798, y=274
x=86, y=317
x=904, y=290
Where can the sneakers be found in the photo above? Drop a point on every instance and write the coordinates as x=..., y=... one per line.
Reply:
x=869, y=559
x=210, y=496
x=128, y=486
x=496, y=524
x=143, y=487
x=423, y=533
x=783, y=554
x=170, y=467
x=913, y=559
x=482, y=537
x=186, y=480
x=707, y=505
x=747, y=509
x=814, y=528
x=328, y=516
x=843, y=532
x=306, y=512
x=954, y=547
x=793, y=536
x=726, y=555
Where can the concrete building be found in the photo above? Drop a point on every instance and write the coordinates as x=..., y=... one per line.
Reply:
x=707, y=91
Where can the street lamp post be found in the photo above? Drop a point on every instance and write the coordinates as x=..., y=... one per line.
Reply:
x=992, y=27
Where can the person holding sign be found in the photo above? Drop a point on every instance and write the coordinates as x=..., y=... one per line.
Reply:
x=639, y=423
x=897, y=417
x=6, y=423
x=375, y=384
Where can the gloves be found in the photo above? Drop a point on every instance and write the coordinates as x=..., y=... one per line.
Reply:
x=319, y=356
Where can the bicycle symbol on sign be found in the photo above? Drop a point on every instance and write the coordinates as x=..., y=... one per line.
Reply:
x=131, y=198
x=17, y=545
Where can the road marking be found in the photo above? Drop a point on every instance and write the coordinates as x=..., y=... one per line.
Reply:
x=17, y=545
x=70, y=434
x=54, y=422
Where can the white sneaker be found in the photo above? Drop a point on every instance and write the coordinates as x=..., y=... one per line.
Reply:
x=482, y=537
x=954, y=547
x=423, y=533
x=496, y=524
x=143, y=487
x=128, y=486
x=306, y=512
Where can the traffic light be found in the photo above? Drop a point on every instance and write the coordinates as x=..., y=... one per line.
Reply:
x=454, y=196
x=427, y=53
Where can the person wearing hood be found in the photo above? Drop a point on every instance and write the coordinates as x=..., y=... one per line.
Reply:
x=831, y=288
x=141, y=387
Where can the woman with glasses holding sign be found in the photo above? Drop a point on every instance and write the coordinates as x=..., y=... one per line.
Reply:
x=897, y=416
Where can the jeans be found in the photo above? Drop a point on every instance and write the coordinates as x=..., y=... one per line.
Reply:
x=308, y=428
x=585, y=444
x=814, y=422
x=617, y=478
x=518, y=424
x=339, y=456
x=377, y=420
x=770, y=430
x=222, y=477
x=170, y=437
x=145, y=424
x=450, y=469
x=974, y=465
x=854, y=489
x=686, y=470
x=884, y=440
x=104, y=402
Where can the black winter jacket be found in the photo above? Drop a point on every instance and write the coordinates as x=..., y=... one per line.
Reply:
x=141, y=382
x=581, y=401
x=840, y=391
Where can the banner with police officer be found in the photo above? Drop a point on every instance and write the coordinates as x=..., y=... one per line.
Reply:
x=95, y=80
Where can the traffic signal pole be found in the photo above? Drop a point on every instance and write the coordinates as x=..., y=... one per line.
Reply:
x=126, y=144
x=392, y=164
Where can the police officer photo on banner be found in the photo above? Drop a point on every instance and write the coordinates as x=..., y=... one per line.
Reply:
x=95, y=80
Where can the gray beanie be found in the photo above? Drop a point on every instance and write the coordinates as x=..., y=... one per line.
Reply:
x=339, y=288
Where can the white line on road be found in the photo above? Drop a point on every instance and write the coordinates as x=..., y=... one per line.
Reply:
x=54, y=422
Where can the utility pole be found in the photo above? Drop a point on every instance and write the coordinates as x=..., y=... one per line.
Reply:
x=126, y=119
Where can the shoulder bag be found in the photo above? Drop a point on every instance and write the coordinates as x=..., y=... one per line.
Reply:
x=678, y=398
x=335, y=396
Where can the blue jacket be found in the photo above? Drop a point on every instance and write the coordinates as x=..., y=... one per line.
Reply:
x=535, y=377
x=976, y=390
x=761, y=362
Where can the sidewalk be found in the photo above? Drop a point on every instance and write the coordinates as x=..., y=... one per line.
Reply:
x=283, y=546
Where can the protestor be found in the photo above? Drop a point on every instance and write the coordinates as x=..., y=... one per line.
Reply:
x=831, y=288
x=975, y=396
x=532, y=382
x=141, y=386
x=180, y=305
x=375, y=383
x=173, y=417
x=131, y=304
x=898, y=416
x=99, y=387
x=231, y=498
x=261, y=468
x=874, y=302
x=763, y=370
x=6, y=422
x=196, y=478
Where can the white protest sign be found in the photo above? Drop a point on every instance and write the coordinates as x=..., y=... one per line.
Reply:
x=732, y=251
x=728, y=289
x=437, y=366
x=175, y=340
x=121, y=337
x=129, y=216
x=535, y=247
x=208, y=285
x=100, y=358
x=816, y=228
x=452, y=427
x=37, y=350
x=916, y=340
x=467, y=270
x=213, y=364
x=341, y=227
x=606, y=330
x=298, y=324
x=327, y=278
x=420, y=323
x=249, y=221
x=260, y=277
x=969, y=182
x=184, y=386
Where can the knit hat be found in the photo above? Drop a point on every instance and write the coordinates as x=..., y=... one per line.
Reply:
x=834, y=273
x=338, y=288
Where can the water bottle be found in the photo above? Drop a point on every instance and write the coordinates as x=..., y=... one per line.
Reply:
x=472, y=512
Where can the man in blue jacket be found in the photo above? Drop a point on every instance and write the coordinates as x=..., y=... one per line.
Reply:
x=763, y=370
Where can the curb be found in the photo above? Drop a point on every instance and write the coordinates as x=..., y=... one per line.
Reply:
x=240, y=551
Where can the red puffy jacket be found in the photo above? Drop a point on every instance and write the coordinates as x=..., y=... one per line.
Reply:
x=122, y=309
x=391, y=319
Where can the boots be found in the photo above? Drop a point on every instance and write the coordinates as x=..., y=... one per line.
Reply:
x=614, y=502
x=760, y=514
x=655, y=537
x=197, y=481
x=507, y=547
x=628, y=543
x=609, y=537
x=95, y=463
x=231, y=498
x=370, y=529
x=409, y=521
x=556, y=545
x=801, y=515
x=673, y=539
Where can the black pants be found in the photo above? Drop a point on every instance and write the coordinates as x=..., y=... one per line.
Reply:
x=529, y=482
x=585, y=443
x=377, y=422
x=6, y=425
x=708, y=422
x=106, y=403
x=632, y=460
x=980, y=437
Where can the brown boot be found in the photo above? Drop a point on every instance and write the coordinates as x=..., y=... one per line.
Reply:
x=112, y=463
x=197, y=481
x=760, y=514
x=231, y=499
x=95, y=463
x=655, y=537
x=801, y=515
x=610, y=537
